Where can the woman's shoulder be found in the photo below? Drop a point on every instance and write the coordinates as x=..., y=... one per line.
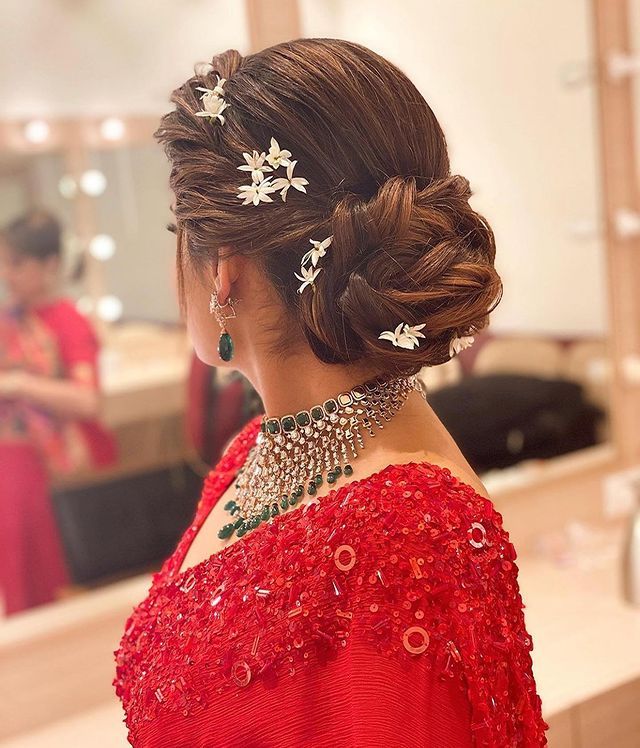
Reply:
x=64, y=315
x=430, y=571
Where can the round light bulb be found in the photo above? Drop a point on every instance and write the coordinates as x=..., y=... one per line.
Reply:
x=109, y=308
x=36, y=131
x=68, y=187
x=102, y=247
x=93, y=182
x=112, y=128
x=84, y=305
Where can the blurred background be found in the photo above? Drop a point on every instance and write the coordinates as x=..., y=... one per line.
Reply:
x=108, y=421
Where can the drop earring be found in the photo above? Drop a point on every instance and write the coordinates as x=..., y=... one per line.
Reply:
x=225, y=343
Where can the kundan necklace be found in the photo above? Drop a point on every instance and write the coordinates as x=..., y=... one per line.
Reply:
x=292, y=452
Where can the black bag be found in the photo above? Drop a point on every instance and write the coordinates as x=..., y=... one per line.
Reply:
x=499, y=420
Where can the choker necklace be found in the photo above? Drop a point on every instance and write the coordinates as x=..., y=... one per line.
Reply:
x=291, y=453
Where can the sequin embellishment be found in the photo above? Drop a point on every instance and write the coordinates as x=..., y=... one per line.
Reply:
x=409, y=559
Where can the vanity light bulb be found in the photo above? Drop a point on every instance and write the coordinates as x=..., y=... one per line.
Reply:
x=93, y=182
x=36, y=131
x=102, y=247
x=84, y=305
x=112, y=128
x=68, y=187
x=109, y=308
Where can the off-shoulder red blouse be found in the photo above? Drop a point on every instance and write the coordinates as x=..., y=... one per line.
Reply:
x=385, y=613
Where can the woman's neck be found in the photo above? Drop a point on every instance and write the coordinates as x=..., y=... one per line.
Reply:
x=287, y=386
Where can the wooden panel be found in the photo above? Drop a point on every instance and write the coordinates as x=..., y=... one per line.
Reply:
x=611, y=719
x=560, y=733
x=621, y=189
x=271, y=22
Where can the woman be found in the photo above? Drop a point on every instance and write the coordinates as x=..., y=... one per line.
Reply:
x=49, y=402
x=318, y=221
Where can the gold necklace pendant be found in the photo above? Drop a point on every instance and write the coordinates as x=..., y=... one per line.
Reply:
x=293, y=452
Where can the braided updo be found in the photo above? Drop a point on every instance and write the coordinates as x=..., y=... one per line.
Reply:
x=407, y=246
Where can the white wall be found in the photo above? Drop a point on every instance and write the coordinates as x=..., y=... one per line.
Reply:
x=61, y=57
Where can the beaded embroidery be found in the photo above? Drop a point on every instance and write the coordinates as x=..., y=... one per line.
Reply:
x=411, y=558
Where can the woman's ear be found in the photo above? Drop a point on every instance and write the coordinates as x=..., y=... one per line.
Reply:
x=227, y=273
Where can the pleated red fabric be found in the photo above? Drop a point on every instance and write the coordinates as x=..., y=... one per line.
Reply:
x=385, y=613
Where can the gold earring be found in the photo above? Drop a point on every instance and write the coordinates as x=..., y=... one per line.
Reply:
x=225, y=343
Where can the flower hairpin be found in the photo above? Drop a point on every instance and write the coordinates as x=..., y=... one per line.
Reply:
x=275, y=158
x=308, y=277
x=261, y=187
x=256, y=165
x=212, y=101
x=283, y=183
x=318, y=250
x=404, y=336
x=459, y=344
x=309, y=274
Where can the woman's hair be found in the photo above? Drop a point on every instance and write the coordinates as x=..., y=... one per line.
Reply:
x=407, y=246
x=36, y=234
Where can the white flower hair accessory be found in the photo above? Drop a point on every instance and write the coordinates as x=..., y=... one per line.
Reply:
x=404, y=336
x=459, y=344
x=256, y=165
x=260, y=189
x=257, y=192
x=318, y=250
x=308, y=277
x=283, y=184
x=277, y=157
x=212, y=101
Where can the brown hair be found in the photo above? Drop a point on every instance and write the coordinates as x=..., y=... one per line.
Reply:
x=407, y=245
x=36, y=234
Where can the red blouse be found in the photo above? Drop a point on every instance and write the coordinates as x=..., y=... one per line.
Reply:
x=79, y=348
x=386, y=613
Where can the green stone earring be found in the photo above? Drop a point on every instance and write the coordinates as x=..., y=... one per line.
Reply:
x=225, y=343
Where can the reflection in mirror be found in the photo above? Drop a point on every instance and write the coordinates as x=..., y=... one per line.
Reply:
x=131, y=240
x=32, y=180
x=49, y=384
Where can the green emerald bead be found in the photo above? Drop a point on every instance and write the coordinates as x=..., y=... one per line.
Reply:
x=317, y=413
x=303, y=418
x=311, y=489
x=225, y=347
x=273, y=426
x=288, y=423
x=238, y=523
x=256, y=520
x=274, y=509
x=300, y=490
x=284, y=502
x=234, y=510
x=318, y=480
x=293, y=499
x=266, y=512
x=229, y=505
x=241, y=530
x=348, y=470
x=330, y=406
x=226, y=531
x=331, y=477
x=337, y=470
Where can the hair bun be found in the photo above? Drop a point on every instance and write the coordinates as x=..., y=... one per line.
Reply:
x=406, y=255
